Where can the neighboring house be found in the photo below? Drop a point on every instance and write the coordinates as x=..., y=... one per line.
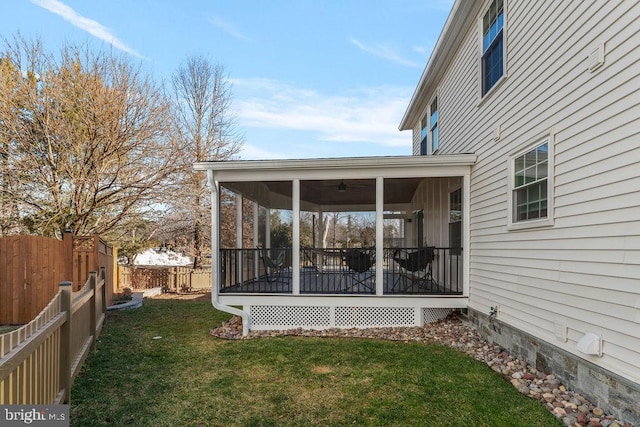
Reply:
x=525, y=181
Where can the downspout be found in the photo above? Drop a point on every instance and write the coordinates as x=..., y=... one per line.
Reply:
x=215, y=255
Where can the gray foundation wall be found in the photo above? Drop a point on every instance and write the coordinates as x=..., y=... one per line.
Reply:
x=603, y=388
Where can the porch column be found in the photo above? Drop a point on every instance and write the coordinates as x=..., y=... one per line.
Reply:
x=216, y=268
x=466, y=226
x=267, y=228
x=295, y=250
x=239, y=270
x=320, y=241
x=267, y=232
x=256, y=223
x=379, y=235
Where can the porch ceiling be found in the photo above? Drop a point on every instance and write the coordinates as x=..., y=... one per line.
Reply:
x=358, y=194
x=269, y=182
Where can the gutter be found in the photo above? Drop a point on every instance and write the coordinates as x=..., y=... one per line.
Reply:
x=228, y=309
x=215, y=255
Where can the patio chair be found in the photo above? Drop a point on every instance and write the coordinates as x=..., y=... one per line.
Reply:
x=415, y=267
x=273, y=266
x=359, y=262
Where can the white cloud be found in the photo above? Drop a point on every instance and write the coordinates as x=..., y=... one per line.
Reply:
x=384, y=51
x=423, y=50
x=89, y=25
x=228, y=28
x=365, y=115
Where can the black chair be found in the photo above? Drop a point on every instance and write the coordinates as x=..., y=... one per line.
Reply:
x=415, y=265
x=273, y=266
x=359, y=262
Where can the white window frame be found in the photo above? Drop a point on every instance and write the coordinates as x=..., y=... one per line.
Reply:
x=437, y=126
x=538, y=222
x=424, y=132
x=502, y=78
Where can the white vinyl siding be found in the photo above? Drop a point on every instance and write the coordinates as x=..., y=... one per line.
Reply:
x=432, y=197
x=416, y=139
x=584, y=270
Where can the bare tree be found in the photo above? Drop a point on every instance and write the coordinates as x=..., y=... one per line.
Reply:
x=207, y=130
x=85, y=136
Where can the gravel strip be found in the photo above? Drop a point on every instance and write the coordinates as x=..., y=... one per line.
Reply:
x=572, y=408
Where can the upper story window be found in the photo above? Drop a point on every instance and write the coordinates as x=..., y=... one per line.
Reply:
x=423, y=136
x=530, y=184
x=492, y=45
x=433, y=125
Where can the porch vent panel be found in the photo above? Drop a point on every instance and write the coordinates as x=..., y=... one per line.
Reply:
x=374, y=316
x=290, y=316
x=430, y=315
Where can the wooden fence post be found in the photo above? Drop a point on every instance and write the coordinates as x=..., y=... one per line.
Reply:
x=174, y=279
x=65, y=341
x=115, y=276
x=103, y=277
x=92, y=309
x=67, y=238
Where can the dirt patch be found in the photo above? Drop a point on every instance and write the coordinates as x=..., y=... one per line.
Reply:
x=195, y=296
x=321, y=370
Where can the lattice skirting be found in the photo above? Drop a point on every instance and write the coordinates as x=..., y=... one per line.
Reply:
x=272, y=317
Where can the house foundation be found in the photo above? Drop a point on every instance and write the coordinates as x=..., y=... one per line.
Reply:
x=604, y=388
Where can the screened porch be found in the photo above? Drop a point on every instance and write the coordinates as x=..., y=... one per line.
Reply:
x=397, y=217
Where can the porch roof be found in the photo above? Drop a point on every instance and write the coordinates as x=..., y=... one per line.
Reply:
x=265, y=181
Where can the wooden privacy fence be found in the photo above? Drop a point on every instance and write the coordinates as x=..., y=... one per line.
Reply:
x=30, y=266
x=170, y=279
x=39, y=361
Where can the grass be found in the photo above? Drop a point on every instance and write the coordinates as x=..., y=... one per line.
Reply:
x=188, y=378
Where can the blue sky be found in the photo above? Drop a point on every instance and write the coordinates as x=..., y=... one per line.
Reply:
x=311, y=78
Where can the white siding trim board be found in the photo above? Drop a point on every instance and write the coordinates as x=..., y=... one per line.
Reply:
x=623, y=241
x=601, y=157
x=551, y=235
x=595, y=256
x=551, y=268
x=494, y=196
x=576, y=284
x=607, y=205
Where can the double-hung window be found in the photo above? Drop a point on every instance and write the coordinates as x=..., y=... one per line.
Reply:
x=530, y=185
x=492, y=45
x=423, y=136
x=433, y=125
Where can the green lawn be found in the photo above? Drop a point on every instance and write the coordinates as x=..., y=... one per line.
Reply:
x=188, y=378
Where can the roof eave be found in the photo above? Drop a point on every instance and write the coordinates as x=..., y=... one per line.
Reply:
x=442, y=54
x=337, y=163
